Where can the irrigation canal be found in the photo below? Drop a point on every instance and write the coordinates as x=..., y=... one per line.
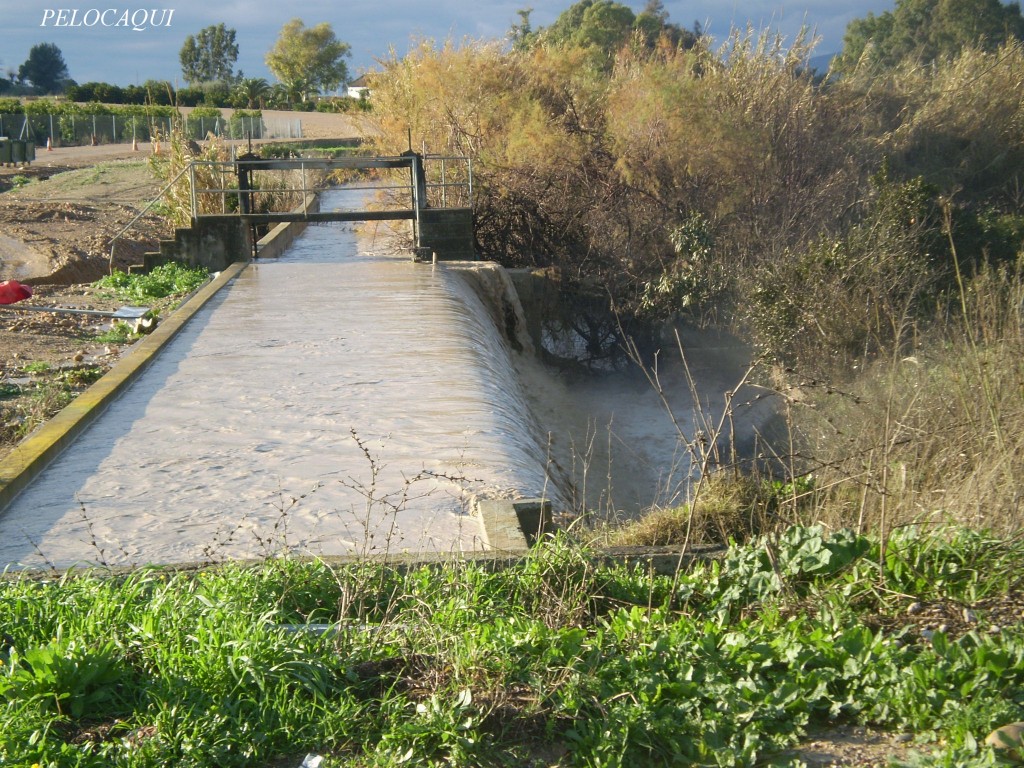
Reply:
x=333, y=401
x=344, y=400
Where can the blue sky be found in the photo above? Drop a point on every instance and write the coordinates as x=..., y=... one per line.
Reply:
x=111, y=49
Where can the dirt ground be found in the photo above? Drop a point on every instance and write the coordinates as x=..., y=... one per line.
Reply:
x=58, y=216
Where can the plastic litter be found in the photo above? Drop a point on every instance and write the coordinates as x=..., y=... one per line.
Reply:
x=12, y=291
x=312, y=761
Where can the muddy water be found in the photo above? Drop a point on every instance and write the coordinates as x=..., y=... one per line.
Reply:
x=328, y=402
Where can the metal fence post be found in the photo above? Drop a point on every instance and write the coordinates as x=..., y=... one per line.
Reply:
x=303, y=166
x=192, y=189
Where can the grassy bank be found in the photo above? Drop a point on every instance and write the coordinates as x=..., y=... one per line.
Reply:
x=551, y=661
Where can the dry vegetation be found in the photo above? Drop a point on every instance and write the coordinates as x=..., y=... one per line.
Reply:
x=864, y=232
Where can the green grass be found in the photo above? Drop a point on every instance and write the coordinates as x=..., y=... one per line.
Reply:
x=552, y=661
x=36, y=366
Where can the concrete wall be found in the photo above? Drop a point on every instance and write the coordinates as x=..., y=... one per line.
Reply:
x=214, y=242
x=539, y=296
x=448, y=232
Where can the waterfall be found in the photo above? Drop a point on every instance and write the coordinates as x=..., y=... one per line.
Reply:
x=331, y=401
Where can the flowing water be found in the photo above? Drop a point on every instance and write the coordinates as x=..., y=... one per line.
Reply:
x=338, y=401
x=327, y=402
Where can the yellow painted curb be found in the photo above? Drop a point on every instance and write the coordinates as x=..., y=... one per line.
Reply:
x=32, y=454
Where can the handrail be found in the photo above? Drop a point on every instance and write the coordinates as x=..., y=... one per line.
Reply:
x=140, y=214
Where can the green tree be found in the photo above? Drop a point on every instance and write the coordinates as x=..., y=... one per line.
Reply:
x=253, y=91
x=653, y=23
x=209, y=56
x=604, y=26
x=308, y=60
x=45, y=68
x=521, y=35
x=925, y=30
x=600, y=24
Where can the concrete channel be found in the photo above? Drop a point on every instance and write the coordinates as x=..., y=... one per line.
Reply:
x=338, y=400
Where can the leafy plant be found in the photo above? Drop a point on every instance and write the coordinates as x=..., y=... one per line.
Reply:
x=119, y=333
x=67, y=677
x=562, y=656
x=81, y=376
x=165, y=280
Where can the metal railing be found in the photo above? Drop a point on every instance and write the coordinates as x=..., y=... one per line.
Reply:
x=281, y=186
x=460, y=181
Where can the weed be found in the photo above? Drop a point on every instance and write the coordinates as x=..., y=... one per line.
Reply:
x=730, y=663
x=118, y=333
x=81, y=376
x=37, y=367
x=48, y=398
x=163, y=281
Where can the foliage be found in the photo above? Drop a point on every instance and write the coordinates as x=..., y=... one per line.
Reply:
x=118, y=333
x=209, y=56
x=603, y=27
x=939, y=134
x=931, y=434
x=308, y=60
x=169, y=167
x=165, y=280
x=67, y=678
x=695, y=278
x=44, y=68
x=253, y=91
x=921, y=31
x=731, y=662
x=858, y=291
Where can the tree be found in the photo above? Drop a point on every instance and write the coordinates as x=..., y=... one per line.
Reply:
x=44, y=68
x=521, y=34
x=253, y=91
x=925, y=30
x=209, y=56
x=308, y=60
x=604, y=26
x=653, y=22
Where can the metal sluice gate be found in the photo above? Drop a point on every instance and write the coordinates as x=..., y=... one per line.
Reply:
x=270, y=191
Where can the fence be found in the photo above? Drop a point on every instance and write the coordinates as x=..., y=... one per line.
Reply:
x=78, y=130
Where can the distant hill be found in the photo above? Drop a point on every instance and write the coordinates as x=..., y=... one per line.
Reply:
x=820, y=63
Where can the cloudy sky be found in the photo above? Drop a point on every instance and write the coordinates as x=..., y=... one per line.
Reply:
x=123, y=43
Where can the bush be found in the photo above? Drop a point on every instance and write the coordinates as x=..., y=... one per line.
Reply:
x=165, y=280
